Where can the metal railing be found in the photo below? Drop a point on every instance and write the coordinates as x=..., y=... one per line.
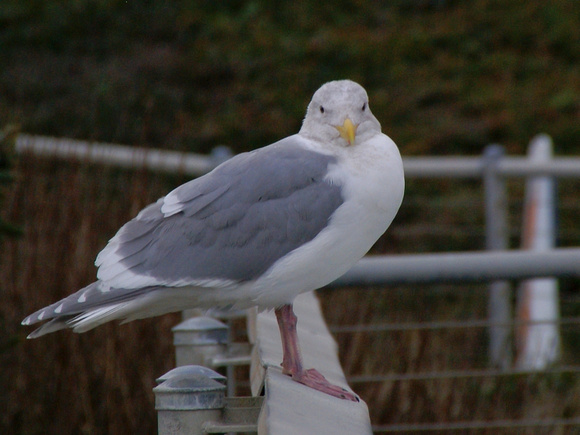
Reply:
x=496, y=265
x=461, y=267
x=198, y=164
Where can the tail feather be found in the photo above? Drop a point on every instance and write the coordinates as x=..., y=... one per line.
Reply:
x=87, y=308
x=95, y=317
x=51, y=326
x=83, y=322
x=73, y=304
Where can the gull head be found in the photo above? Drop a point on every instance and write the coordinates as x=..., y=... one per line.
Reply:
x=339, y=114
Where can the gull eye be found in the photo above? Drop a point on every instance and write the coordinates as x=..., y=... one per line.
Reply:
x=321, y=109
x=364, y=107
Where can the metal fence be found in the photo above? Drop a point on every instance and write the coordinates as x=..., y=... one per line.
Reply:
x=198, y=164
x=495, y=265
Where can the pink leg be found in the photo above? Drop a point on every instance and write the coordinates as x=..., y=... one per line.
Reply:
x=292, y=359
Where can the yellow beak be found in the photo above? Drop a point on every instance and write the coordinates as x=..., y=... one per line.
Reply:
x=347, y=131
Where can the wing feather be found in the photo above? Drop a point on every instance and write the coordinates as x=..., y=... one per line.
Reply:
x=230, y=225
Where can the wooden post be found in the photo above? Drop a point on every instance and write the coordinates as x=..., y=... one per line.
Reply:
x=289, y=407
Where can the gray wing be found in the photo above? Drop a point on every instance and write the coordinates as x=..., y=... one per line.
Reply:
x=230, y=225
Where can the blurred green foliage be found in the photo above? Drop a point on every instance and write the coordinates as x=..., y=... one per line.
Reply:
x=444, y=77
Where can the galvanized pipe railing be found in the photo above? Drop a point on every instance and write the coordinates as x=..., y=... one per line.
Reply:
x=459, y=267
x=197, y=164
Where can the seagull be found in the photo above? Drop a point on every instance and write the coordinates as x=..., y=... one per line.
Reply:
x=258, y=230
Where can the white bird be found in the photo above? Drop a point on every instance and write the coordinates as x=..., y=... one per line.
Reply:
x=258, y=230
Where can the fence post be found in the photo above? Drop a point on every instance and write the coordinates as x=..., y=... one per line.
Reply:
x=538, y=345
x=198, y=340
x=497, y=238
x=186, y=402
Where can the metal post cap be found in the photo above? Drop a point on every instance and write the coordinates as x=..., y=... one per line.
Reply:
x=191, y=371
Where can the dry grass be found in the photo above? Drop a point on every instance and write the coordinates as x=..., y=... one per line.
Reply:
x=96, y=383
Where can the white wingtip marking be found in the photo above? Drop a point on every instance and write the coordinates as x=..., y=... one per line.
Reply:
x=59, y=308
x=41, y=315
x=26, y=321
x=82, y=298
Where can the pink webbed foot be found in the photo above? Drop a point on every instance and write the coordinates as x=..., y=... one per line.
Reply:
x=313, y=379
x=292, y=360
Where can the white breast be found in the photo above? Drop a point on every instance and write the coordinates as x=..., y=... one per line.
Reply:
x=371, y=176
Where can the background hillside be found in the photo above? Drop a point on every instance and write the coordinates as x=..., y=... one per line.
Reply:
x=444, y=77
x=191, y=74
